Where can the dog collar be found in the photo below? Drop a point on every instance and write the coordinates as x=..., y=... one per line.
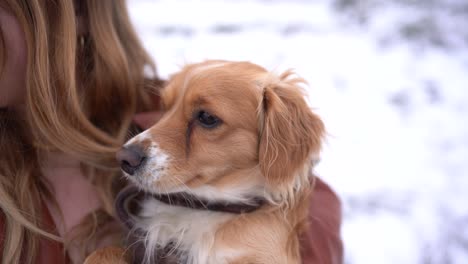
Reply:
x=191, y=201
x=127, y=204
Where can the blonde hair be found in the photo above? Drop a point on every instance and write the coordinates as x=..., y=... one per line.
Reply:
x=81, y=95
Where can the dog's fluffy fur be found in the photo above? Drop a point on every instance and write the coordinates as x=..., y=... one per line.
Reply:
x=262, y=146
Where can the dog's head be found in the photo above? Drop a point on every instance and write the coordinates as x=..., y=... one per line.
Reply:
x=231, y=131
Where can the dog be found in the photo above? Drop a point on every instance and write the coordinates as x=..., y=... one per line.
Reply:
x=225, y=175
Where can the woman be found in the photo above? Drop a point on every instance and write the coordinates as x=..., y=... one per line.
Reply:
x=71, y=82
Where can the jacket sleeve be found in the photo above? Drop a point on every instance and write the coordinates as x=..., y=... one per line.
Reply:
x=322, y=243
x=2, y=235
x=50, y=252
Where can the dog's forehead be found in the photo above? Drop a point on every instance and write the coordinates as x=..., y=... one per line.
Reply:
x=220, y=80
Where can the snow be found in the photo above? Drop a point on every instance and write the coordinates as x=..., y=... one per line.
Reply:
x=395, y=104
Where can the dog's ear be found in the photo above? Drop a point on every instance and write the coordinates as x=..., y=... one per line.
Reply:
x=289, y=132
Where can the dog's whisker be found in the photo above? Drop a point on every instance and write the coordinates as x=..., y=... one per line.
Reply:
x=178, y=243
x=169, y=197
x=184, y=195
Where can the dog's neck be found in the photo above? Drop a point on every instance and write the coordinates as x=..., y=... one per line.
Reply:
x=194, y=202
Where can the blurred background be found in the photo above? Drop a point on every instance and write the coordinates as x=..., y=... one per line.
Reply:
x=388, y=77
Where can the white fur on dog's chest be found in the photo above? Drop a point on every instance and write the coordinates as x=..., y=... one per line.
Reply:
x=191, y=231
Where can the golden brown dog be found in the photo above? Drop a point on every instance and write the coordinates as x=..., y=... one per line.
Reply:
x=227, y=167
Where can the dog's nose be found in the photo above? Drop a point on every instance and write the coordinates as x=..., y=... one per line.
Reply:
x=130, y=158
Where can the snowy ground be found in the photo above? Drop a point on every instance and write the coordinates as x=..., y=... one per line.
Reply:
x=389, y=78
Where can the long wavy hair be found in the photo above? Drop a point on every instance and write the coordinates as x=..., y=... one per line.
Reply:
x=81, y=93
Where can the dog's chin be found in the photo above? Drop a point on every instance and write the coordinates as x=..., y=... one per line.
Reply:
x=152, y=186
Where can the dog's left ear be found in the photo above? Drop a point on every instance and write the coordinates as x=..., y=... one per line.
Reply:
x=290, y=133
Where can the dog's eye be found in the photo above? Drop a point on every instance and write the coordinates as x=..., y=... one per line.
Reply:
x=208, y=120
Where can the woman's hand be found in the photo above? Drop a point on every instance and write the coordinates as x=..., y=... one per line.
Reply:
x=146, y=119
